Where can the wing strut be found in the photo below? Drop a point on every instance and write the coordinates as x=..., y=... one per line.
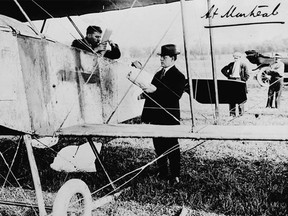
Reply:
x=28, y=19
x=213, y=67
x=35, y=175
x=188, y=67
x=43, y=26
x=77, y=29
x=79, y=32
x=98, y=158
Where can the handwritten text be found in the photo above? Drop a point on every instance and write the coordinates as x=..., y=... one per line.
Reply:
x=233, y=12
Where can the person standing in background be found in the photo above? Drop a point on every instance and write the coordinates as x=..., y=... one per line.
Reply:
x=276, y=83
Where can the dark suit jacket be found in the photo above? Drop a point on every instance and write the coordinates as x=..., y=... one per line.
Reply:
x=114, y=53
x=169, y=91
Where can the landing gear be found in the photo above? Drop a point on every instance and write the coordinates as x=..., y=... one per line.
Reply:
x=73, y=198
x=262, y=77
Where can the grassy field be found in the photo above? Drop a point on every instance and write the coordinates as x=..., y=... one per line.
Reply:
x=217, y=177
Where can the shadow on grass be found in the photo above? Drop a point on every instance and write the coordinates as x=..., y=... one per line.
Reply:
x=227, y=186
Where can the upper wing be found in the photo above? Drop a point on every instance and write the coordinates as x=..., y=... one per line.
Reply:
x=44, y=9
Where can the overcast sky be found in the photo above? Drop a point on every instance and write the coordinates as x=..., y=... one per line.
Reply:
x=146, y=26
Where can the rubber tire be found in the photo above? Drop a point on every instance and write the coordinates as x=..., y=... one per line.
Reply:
x=261, y=77
x=66, y=192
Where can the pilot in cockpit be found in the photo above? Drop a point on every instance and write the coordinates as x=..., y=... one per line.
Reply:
x=92, y=43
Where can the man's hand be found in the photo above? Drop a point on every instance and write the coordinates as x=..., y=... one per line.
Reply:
x=149, y=89
x=101, y=47
x=136, y=64
x=111, y=43
x=141, y=96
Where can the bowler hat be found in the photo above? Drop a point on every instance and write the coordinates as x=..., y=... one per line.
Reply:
x=168, y=49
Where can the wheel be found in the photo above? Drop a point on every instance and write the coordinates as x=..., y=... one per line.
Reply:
x=262, y=77
x=73, y=197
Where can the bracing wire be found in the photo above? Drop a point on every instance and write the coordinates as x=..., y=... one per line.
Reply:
x=149, y=57
x=134, y=2
x=80, y=93
x=87, y=81
x=160, y=107
x=23, y=194
x=140, y=169
x=91, y=73
x=12, y=163
x=50, y=15
x=7, y=181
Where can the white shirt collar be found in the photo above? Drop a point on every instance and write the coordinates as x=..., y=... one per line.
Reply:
x=167, y=68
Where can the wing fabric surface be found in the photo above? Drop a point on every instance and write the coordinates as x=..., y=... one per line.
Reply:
x=37, y=9
x=208, y=132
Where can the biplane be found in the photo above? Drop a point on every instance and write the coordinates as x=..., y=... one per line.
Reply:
x=49, y=89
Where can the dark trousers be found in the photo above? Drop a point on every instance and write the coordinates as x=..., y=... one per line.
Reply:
x=161, y=145
x=232, y=109
x=232, y=106
x=275, y=89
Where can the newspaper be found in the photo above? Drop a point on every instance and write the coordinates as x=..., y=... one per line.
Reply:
x=141, y=78
x=106, y=35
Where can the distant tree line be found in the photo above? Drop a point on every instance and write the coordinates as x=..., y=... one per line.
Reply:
x=200, y=49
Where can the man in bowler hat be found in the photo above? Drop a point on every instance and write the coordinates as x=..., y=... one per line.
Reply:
x=162, y=107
